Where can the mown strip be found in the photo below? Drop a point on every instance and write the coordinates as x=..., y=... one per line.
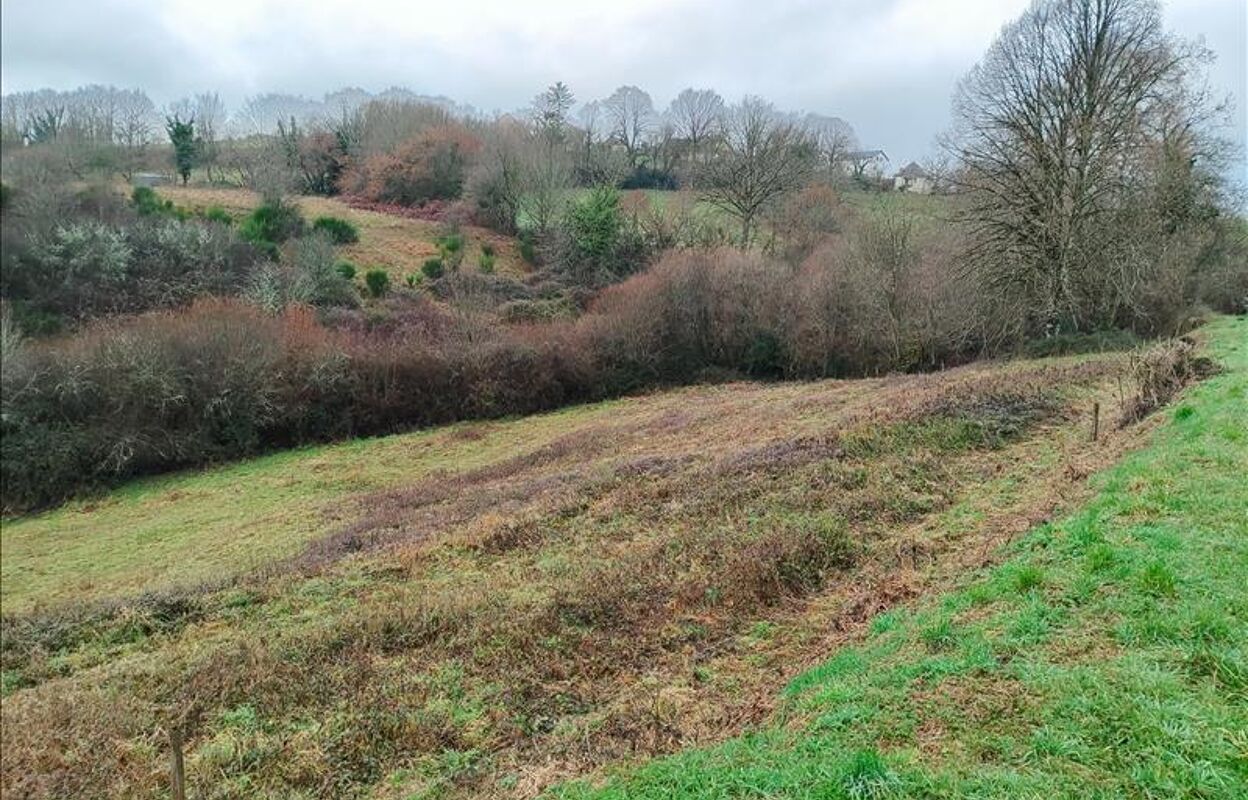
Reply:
x=1107, y=657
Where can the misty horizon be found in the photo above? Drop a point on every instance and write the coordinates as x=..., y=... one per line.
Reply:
x=889, y=69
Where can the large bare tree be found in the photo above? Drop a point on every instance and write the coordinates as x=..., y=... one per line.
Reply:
x=763, y=157
x=1053, y=134
x=134, y=129
x=697, y=115
x=630, y=116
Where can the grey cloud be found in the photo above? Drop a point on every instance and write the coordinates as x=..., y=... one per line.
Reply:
x=839, y=58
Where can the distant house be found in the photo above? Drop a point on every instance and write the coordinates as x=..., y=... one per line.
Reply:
x=860, y=161
x=913, y=178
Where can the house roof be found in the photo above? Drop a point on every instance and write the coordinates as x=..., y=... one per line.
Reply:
x=912, y=171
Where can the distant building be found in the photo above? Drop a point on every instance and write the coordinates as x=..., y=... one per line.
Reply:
x=913, y=178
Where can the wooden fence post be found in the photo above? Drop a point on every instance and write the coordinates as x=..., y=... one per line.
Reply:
x=179, y=775
x=1096, y=420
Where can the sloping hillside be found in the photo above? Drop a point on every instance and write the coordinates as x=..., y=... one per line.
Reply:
x=400, y=245
x=1107, y=657
x=494, y=608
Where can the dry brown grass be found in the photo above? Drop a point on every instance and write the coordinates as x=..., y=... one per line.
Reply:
x=398, y=244
x=643, y=581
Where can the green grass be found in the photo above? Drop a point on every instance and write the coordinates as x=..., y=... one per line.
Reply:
x=926, y=211
x=217, y=523
x=1107, y=657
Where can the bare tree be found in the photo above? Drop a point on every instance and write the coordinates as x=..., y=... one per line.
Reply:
x=833, y=139
x=496, y=184
x=630, y=115
x=261, y=113
x=664, y=146
x=763, y=158
x=210, y=119
x=697, y=115
x=545, y=180
x=1053, y=129
x=135, y=128
x=545, y=163
x=520, y=175
x=597, y=164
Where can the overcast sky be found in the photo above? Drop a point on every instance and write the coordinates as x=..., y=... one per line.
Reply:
x=887, y=66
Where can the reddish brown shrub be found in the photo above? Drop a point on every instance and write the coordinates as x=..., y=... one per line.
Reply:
x=430, y=166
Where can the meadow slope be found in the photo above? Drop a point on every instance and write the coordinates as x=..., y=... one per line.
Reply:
x=1107, y=657
x=400, y=245
x=492, y=609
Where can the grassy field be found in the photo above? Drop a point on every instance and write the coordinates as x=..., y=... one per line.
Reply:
x=495, y=609
x=223, y=522
x=398, y=244
x=1107, y=657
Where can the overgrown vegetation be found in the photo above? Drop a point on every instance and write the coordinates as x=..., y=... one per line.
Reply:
x=497, y=607
x=693, y=315
x=647, y=547
x=1107, y=654
x=71, y=257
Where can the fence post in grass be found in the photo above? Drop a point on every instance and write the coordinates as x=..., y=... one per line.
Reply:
x=1096, y=420
x=179, y=775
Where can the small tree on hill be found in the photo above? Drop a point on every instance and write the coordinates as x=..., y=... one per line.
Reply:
x=764, y=157
x=182, y=137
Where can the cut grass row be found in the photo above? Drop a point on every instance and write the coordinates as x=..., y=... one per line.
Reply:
x=1108, y=657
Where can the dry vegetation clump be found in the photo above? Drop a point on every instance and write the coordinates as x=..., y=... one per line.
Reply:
x=557, y=607
x=1159, y=372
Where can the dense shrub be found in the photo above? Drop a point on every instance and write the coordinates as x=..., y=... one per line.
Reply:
x=272, y=222
x=346, y=269
x=594, y=245
x=84, y=267
x=690, y=313
x=318, y=159
x=306, y=274
x=224, y=379
x=377, y=281
x=845, y=311
x=644, y=177
x=806, y=219
x=528, y=247
x=433, y=268
x=161, y=391
x=430, y=166
x=217, y=214
x=340, y=231
x=148, y=203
